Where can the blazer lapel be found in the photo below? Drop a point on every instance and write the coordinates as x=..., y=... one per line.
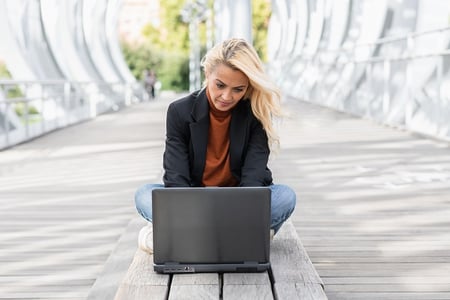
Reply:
x=238, y=130
x=199, y=133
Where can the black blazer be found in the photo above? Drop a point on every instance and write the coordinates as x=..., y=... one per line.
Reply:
x=187, y=126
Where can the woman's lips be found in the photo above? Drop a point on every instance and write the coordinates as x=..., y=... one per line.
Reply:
x=223, y=103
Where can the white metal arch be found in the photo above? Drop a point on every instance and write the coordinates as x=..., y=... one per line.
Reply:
x=369, y=58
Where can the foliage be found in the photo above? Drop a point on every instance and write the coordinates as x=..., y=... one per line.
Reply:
x=174, y=71
x=166, y=49
x=11, y=91
x=20, y=109
x=171, y=67
x=261, y=11
x=15, y=92
x=140, y=57
x=4, y=73
x=172, y=32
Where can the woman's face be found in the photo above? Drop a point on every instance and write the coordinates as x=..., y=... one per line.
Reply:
x=226, y=87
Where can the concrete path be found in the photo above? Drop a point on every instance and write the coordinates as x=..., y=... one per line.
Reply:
x=373, y=203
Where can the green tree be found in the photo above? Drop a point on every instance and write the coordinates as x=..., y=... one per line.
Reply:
x=261, y=11
x=173, y=32
x=140, y=57
x=172, y=67
x=166, y=49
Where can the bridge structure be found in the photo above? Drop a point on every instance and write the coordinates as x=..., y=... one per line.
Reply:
x=365, y=146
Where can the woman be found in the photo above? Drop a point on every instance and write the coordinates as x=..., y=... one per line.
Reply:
x=222, y=134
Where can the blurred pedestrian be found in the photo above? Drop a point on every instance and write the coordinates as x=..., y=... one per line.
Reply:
x=149, y=83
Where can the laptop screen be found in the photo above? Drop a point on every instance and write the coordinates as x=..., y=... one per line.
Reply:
x=211, y=225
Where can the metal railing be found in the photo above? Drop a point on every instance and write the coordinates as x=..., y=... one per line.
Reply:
x=394, y=80
x=31, y=108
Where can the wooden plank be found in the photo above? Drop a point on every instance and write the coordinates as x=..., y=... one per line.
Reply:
x=389, y=296
x=374, y=253
x=26, y=281
x=371, y=237
x=242, y=286
x=406, y=248
x=301, y=291
x=425, y=268
x=141, y=282
x=79, y=295
x=290, y=262
x=388, y=280
x=376, y=260
x=293, y=272
x=389, y=287
x=381, y=271
x=117, y=264
x=195, y=286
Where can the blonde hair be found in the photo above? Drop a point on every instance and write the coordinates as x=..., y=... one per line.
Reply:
x=263, y=94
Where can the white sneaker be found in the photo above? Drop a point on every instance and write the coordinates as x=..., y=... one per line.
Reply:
x=145, y=239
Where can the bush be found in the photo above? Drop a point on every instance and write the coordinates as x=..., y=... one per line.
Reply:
x=171, y=67
x=174, y=72
x=14, y=92
x=4, y=73
x=20, y=109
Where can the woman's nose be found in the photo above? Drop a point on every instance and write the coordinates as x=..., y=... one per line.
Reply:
x=226, y=95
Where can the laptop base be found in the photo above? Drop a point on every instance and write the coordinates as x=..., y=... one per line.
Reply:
x=208, y=268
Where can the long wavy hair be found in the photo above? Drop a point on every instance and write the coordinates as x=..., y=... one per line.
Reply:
x=263, y=94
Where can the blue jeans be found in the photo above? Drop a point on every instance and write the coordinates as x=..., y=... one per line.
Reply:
x=282, y=203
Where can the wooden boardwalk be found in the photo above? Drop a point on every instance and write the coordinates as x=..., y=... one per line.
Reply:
x=373, y=203
x=291, y=276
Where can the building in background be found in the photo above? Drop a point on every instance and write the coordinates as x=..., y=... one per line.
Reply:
x=134, y=16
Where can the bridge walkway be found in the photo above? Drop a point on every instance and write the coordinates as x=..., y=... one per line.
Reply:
x=373, y=202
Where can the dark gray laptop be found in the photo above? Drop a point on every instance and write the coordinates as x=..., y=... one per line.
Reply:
x=213, y=229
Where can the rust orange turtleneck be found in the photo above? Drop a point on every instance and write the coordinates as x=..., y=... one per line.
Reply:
x=217, y=167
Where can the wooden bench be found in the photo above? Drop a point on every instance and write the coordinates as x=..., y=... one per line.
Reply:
x=292, y=276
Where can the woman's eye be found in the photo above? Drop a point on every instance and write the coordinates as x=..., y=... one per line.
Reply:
x=219, y=85
x=238, y=90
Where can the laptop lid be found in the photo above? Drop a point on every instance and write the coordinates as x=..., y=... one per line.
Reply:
x=212, y=229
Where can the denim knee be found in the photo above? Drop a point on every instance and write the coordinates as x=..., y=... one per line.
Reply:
x=290, y=199
x=143, y=200
x=283, y=204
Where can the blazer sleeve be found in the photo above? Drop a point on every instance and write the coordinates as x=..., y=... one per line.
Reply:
x=256, y=156
x=176, y=154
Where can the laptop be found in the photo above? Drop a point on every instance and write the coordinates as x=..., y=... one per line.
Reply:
x=211, y=229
